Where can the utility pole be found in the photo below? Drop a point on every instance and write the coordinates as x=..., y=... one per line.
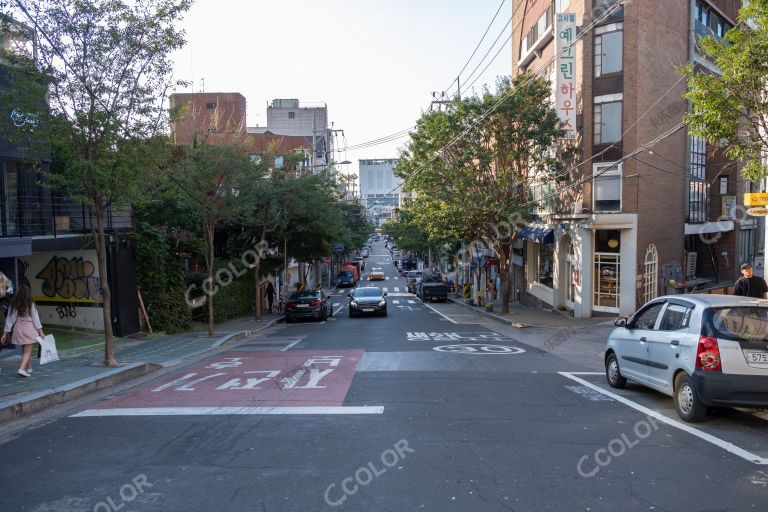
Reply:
x=442, y=101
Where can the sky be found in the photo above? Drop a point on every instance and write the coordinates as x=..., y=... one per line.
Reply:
x=374, y=63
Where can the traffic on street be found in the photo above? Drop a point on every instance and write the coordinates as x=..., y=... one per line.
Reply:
x=431, y=407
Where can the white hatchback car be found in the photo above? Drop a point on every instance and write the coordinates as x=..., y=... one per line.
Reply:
x=703, y=350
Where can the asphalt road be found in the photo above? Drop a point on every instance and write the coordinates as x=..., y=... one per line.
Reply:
x=430, y=408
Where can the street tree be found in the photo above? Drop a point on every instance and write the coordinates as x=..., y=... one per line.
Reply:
x=730, y=108
x=213, y=179
x=474, y=164
x=105, y=67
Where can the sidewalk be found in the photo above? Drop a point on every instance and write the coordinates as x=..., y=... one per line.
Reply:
x=81, y=370
x=520, y=316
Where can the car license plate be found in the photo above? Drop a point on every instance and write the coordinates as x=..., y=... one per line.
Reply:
x=368, y=310
x=756, y=357
x=302, y=305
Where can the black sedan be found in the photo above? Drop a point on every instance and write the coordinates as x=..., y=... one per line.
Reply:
x=308, y=304
x=367, y=299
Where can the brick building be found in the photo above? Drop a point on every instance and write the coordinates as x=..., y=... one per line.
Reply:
x=627, y=222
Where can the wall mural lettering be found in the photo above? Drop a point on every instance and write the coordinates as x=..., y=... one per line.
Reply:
x=72, y=278
x=66, y=311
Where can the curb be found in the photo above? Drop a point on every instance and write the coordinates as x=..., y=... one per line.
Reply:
x=498, y=318
x=31, y=403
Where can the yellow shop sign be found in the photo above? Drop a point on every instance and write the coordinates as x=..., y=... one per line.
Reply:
x=756, y=199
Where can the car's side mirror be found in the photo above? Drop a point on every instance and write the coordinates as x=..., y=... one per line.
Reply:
x=384, y=294
x=349, y=295
x=621, y=322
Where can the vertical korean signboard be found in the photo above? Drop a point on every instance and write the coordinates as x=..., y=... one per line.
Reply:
x=565, y=34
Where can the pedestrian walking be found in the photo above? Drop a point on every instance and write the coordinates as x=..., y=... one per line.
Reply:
x=24, y=320
x=749, y=285
x=270, y=295
x=491, y=290
x=6, y=294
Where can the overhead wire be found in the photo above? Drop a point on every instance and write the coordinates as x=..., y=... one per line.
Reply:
x=608, y=12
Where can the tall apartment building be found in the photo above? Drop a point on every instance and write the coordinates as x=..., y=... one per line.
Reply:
x=290, y=117
x=379, y=188
x=614, y=235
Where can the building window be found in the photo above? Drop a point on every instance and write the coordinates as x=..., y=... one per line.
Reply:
x=545, y=264
x=609, y=49
x=291, y=115
x=607, y=122
x=709, y=23
x=698, y=188
x=279, y=162
x=606, y=187
x=210, y=105
x=256, y=159
x=747, y=245
x=651, y=274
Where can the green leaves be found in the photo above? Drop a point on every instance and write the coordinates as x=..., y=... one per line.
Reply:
x=730, y=110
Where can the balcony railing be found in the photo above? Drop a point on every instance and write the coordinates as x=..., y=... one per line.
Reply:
x=54, y=217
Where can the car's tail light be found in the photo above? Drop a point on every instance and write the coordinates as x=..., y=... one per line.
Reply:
x=708, y=354
x=317, y=302
x=290, y=305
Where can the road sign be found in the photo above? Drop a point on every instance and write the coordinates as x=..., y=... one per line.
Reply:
x=756, y=199
x=338, y=248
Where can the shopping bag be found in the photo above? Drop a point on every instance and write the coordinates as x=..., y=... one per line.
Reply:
x=48, y=350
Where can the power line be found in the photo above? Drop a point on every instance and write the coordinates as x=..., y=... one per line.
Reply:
x=609, y=11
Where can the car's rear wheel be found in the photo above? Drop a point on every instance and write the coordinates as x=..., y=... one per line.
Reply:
x=612, y=372
x=686, y=400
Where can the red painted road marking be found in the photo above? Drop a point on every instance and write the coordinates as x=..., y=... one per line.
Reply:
x=298, y=378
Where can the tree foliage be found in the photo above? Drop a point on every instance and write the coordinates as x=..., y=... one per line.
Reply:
x=473, y=165
x=105, y=68
x=730, y=109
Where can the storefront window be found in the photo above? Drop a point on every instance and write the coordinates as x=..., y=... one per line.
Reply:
x=607, y=270
x=9, y=178
x=546, y=264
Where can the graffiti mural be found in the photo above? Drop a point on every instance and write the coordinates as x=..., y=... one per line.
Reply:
x=73, y=278
x=66, y=287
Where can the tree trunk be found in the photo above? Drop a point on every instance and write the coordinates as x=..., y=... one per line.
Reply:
x=106, y=295
x=208, y=231
x=504, y=252
x=257, y=288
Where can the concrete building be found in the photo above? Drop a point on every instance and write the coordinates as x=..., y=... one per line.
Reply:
x=625, y=224
x=290, y=117
x=379, y=188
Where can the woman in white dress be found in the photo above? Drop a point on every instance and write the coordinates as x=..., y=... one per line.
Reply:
x=24, y=321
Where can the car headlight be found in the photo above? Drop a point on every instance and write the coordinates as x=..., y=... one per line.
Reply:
x=382, y=303
x=353, y=304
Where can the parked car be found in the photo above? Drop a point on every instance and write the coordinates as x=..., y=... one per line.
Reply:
x=703, y=350
x=376, y=274
x=369, y=299
x=410, y=277
x=432, y=287
x=308, y=304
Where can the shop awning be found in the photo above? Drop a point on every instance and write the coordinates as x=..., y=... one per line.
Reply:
x=538, y=235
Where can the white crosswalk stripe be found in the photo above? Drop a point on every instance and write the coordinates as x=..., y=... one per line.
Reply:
x=395, y=302
x=397, y=289
x=385, y=289
x=387, y=278
x=411, y=302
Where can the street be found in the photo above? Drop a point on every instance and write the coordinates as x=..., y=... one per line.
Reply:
x=431, y=408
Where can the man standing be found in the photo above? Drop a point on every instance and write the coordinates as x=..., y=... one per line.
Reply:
x=270, y=295
x=749, y=285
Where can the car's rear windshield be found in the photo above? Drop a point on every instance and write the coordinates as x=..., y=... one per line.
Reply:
x=739, y=323
x=309, y=294
x=367, y=292
x=346, y=273
x=375, y=269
